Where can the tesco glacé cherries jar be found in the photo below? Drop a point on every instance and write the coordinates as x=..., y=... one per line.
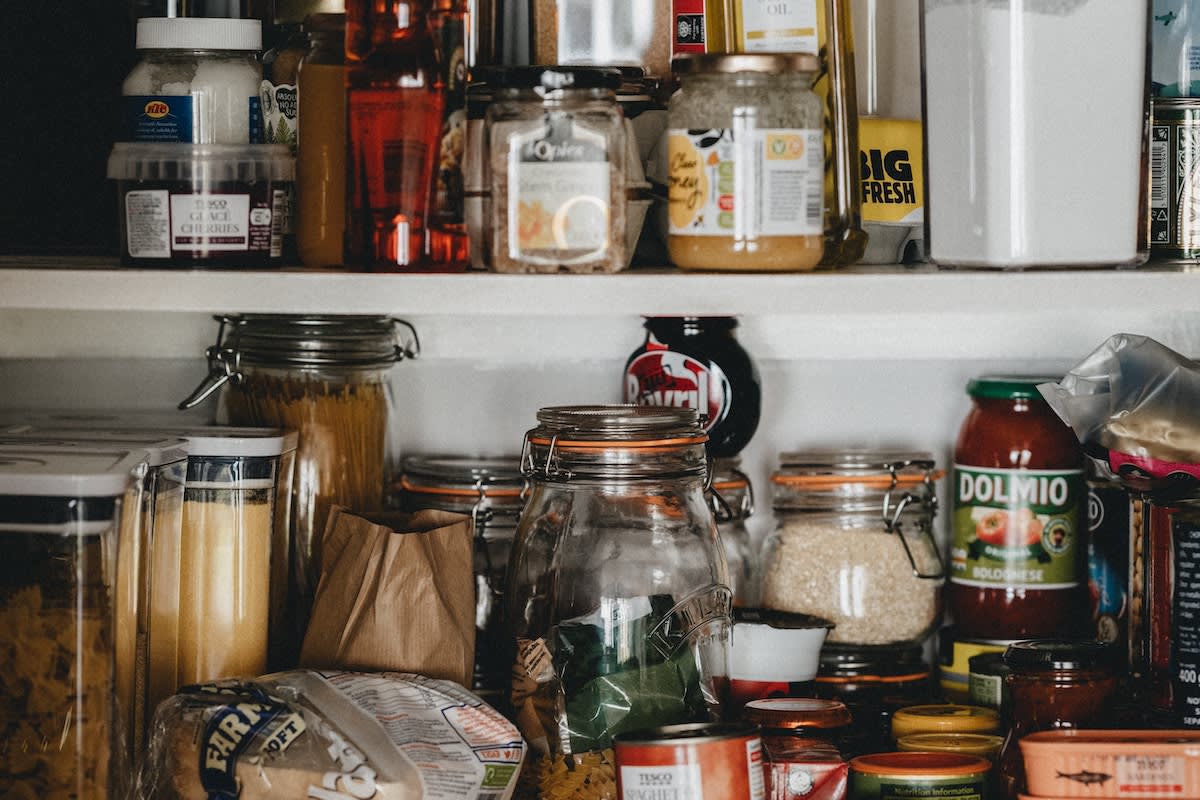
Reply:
x=1018, y=540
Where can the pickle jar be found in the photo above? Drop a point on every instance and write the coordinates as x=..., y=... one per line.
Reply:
x=618, y=597
x=746, y=155
x=60, y=521
x=853, y=543
x=555, y=147
x=326, y=378
x=490, y=490
x=734, y=505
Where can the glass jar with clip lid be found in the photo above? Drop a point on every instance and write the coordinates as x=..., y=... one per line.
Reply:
x=492, y=492
x=618, y=596
x=733, y=504
x=854, y=544
x=325, y=377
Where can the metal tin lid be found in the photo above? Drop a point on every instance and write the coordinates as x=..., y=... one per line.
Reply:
x=31, y=471
x=489, y=489
x=302, y=342
x=691, y=732
x=772, y=63
x=1056, y=654
x=797, y=713
x=1009, y=387
x=555, y=77
x=199, y=33
x=780, y=619
x=615, y=442
x=971, y=744
x=919, y=765
x=945, y=718
x=877, y=664
x=988, y=664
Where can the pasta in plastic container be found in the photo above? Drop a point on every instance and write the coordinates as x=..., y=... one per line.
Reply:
x=60, y=518
x=334, y=735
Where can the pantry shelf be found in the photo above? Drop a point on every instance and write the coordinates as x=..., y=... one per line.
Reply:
x=97, y=285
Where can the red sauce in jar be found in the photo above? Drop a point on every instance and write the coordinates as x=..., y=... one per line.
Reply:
x=1018, y=537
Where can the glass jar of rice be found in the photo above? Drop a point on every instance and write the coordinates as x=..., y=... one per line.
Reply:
x=326, y=378
x=853, y=543
x=746, y=163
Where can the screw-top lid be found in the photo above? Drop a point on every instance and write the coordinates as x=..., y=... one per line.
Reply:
x=551, y=77
x=797, y=713
x=1059, y=654
x=920, y=764
x=199, y=33
x=971, y=744
x=771, y=63
x=945, y=718
x=1008, y=387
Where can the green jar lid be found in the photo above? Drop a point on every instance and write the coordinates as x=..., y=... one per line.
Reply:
x=1008, y=387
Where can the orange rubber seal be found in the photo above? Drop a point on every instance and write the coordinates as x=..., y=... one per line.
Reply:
x=916, y=676
x=877, y=481
x=644, y=444
x=447, y=491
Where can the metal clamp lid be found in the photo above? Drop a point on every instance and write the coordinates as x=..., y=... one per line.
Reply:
x=302, y=342
x=892, y=511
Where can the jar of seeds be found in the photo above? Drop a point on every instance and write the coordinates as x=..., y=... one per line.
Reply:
x=854, y=544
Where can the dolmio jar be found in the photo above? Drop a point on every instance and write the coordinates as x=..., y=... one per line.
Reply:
x=1019, y=553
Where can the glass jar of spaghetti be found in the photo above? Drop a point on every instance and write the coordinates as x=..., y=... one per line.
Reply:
x=490, y=490
x=1018, y=542
x=326, y=378
x=618, y=594
x=854, y=544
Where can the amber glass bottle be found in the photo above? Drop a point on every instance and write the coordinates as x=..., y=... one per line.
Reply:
x=394, y=99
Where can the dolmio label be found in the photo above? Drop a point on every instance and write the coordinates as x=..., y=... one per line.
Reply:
x=1017, y=528
x=662, y=377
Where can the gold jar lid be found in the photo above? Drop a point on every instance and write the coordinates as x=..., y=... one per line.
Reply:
x=944, y=719
x=771, y=63
x=970, y=744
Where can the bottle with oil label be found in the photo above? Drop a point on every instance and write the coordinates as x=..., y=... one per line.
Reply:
x=781, y=26
x=394, y=101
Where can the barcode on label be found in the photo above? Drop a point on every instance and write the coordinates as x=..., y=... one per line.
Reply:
x=1160, y=161
x=816, y=202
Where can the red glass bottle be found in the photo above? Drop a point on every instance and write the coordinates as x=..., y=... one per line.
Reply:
x=394, y=99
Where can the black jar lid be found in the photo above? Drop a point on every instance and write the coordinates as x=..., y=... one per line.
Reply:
x=690, y=325
x=1060, y=654
x=555, y=77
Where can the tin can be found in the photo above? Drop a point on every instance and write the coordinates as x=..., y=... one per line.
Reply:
x=944, y=718
x=918, y=776
x=1109, y=517
x=695, y=761
x=1175, y=179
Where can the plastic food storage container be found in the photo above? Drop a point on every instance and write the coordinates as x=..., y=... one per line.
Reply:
x=60, y=522
x=326, y=378
x=152, y=511
x=202, y=205
x=617, y=593
x=773, y=654
x=944, y=718
x=854, y=544
x=490, y=491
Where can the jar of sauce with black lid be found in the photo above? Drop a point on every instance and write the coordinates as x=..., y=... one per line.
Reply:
x=1019, y=536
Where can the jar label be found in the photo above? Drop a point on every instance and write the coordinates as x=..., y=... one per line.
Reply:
x=280, y=113
x=166, y=118
x=986, y=690
x=922, y=790
x=1182, y=628
x=559, y=192
x=779, y=26
x=1017, y=527
x=689, y=31
x=746, y=182
x=663, y=377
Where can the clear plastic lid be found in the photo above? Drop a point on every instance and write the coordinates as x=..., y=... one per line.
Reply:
x=204, y=164
x=157, y=449
x=131, y=419
x=32, y=471
x=201, y=441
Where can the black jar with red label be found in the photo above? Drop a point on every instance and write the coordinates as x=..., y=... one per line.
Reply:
x=697, y=362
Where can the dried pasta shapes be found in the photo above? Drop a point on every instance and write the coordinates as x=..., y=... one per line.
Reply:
x=588, y=776
x=56, y=724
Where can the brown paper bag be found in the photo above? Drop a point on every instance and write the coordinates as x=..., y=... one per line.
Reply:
x=397, y=593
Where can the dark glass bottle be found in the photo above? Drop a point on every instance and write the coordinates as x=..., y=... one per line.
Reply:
x=394, y=99
x=1053, y=684
x=448, y=243
x=697, y=362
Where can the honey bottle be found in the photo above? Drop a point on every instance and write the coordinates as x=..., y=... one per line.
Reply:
x=394, y=101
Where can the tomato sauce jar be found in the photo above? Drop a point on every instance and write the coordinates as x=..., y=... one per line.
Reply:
x=1018, y=546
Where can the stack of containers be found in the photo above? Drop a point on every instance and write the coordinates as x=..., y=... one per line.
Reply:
x=196, y=183
x=61, y=515
x=214, y=564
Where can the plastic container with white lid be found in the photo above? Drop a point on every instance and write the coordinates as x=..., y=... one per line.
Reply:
x=202, y=204
x=60, y=517
x=198, y=81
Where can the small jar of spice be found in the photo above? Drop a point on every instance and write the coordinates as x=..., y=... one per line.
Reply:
x=555, y=147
